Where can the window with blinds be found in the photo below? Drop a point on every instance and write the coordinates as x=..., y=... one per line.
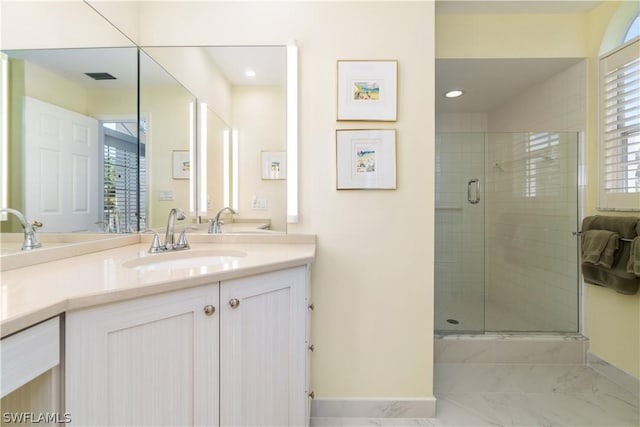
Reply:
x=619, y=160
x=124, y=199
x=541, y=165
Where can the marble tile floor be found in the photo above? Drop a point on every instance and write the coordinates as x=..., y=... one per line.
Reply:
x=471, y=395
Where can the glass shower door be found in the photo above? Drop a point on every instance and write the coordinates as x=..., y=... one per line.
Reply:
x=459, y=229
x=531, y=211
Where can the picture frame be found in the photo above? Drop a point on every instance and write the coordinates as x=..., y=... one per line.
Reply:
x=366, y=159
x=367, y=90
x=274, y=165
x=181, y=164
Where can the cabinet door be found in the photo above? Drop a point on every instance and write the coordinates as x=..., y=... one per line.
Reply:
x=148, y=361
x=263, y=350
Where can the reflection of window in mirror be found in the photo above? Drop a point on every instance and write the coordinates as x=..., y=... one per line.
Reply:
x=121, y=199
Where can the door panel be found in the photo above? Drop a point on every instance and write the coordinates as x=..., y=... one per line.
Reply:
x=61, y=167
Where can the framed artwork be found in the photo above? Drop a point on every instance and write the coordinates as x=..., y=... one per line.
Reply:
x=367, y=90
x=274, y=165
x=181, y=164
x=366, y=159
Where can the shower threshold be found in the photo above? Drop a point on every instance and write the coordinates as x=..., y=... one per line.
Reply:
x=505, y=347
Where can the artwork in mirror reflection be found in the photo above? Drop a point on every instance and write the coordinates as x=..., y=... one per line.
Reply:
x=253, y=109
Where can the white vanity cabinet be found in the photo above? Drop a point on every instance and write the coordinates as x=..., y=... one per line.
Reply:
x=229, y=353
x=147, y=361
x=29, y=378
x=263, y=351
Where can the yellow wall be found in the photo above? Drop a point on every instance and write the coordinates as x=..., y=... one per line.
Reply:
x=510, y=36
x=612, y=321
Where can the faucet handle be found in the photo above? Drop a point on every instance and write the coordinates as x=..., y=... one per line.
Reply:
x=214, y=226
x=182, y=239
x=156, y=245
x=36, y=224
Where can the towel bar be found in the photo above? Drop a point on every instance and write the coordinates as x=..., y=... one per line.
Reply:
x=580, y=233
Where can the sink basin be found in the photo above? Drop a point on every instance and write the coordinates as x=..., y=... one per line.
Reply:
x=184, y=259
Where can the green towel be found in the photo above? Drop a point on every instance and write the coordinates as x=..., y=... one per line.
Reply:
x=633, y=265
x=599, y=247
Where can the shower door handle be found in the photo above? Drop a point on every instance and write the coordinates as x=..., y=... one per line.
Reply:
x=476, y=199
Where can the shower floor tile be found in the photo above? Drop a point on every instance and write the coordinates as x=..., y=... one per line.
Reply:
x=518, y=395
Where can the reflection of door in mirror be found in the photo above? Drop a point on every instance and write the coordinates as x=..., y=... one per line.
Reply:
x=59, y=180
x=61, y=169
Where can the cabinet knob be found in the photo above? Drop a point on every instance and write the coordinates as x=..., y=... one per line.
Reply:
x=234, y=302
x=311, y=307
x=312, y=394
x=209, y=309
x=312, y=347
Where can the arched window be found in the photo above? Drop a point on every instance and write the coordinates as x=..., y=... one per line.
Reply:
x=633, y=31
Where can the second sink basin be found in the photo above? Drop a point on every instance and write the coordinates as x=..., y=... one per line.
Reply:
x=184, y=259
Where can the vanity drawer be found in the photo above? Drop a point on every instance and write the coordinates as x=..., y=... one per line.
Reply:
x=28, y=354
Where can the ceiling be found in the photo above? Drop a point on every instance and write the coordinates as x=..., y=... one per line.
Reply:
x=489, y=83
x=72, y=64
x=268, y=62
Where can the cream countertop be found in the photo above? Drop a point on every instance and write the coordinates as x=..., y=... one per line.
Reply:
x=37, y=292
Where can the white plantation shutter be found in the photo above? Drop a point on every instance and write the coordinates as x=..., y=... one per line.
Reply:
x=121, y=180
x=619, y=160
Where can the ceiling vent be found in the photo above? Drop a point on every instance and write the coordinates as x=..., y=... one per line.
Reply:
x=101, y=76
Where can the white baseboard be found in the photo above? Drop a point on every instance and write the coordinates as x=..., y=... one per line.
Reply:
x=615, y=374
x=421, y=407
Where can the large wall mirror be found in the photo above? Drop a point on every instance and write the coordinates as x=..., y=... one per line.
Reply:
x=85, y=136
x=244, y=91
x=109, y=139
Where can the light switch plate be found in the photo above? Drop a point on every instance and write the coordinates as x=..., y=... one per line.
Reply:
x=165, y=195
x=259, y=204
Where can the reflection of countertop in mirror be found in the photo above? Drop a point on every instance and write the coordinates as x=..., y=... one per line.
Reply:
x=57, y=246
x=238, y=226
x=37, y=292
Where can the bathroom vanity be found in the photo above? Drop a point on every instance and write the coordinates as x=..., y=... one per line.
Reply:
x=214, y=335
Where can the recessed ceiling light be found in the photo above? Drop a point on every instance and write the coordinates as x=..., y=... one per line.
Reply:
x=250, y=73
x=453, y=93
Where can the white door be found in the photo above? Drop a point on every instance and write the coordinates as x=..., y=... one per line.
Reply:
x=151, y=361
x=263, y=350
x=61, y=161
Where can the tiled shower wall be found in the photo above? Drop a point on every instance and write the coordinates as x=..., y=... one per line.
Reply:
x=556, y=104
x=459, y=254
x=530, y=203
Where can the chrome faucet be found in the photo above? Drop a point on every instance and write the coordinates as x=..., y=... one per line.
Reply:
x=169, y=239
x=30, y=238
x=214, y=226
